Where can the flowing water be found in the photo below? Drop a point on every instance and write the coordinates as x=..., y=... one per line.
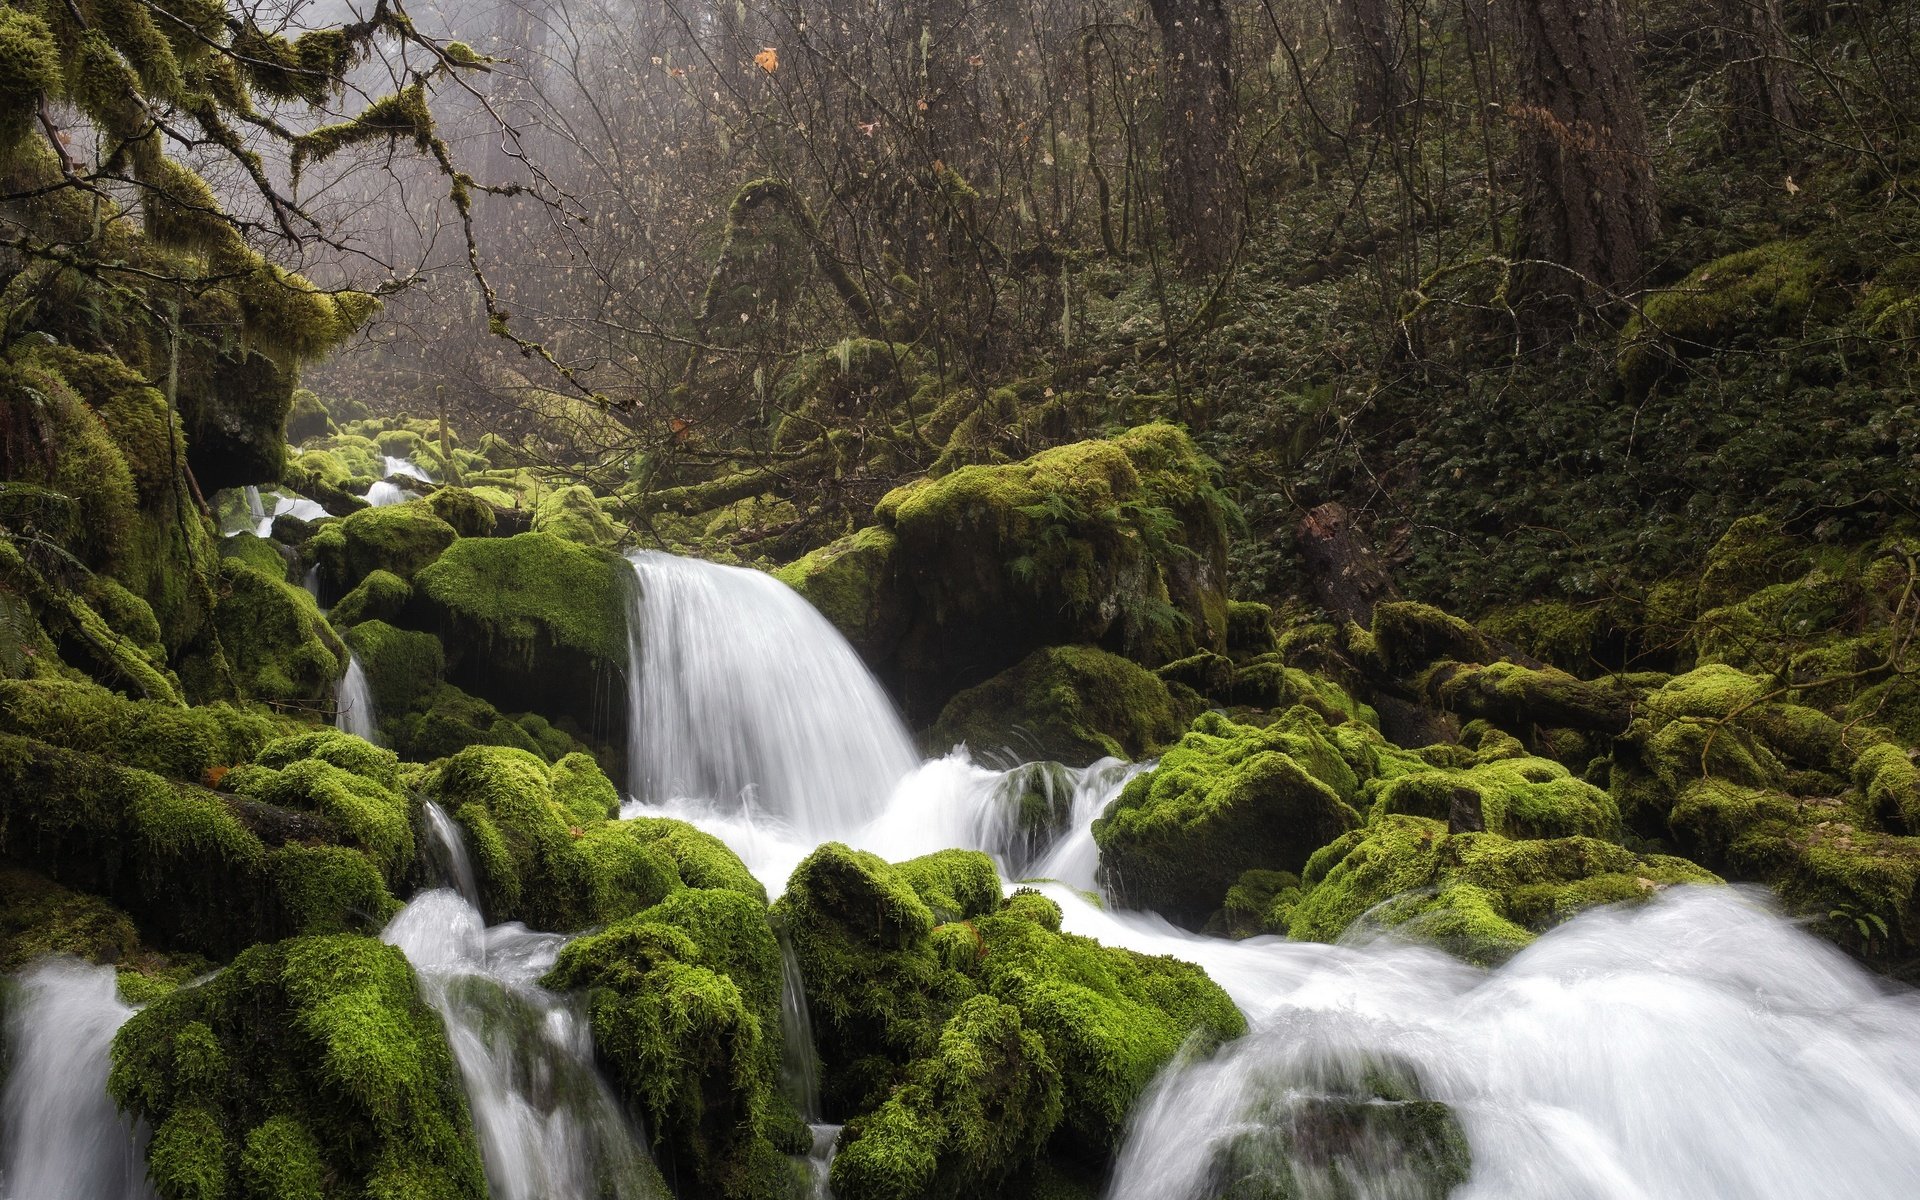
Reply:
x=1699, y=1045
x=60, y=1136
x=353, y=703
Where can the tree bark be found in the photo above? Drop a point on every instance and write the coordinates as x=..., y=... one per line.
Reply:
x=1760, y=99
x=1367, y=31
x=1589, y=200
x=1205, y=195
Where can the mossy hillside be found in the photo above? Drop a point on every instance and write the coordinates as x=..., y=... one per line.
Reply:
x=198, y=871
x=854, y=585
x=532, y=622
x=1479, y=895
x=1118, y=543
x=1070, y=704
x=166, y=739
x=309, y=1065
x=548, y=851
x=1223, y=800
x=397, y=538
x=956, y=1093
x=684, y=1000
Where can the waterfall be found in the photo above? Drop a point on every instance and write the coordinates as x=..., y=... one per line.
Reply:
x=381, y=494
x=800, y=1070
x=311, y=582
x=255, y=508
x=353, y=703
x=548, y=1125
x=405, y=467
x=446, y=855
x=61, y=1138
x=744, y=696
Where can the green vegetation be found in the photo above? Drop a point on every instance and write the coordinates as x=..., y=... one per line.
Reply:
x=1070, y=704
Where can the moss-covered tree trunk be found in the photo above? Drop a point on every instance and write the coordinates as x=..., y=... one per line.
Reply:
x=1590, y=210
x=1205, y=194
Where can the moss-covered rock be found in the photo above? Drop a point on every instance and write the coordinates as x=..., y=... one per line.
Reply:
x=548, y=850
x=533, y=622
x=854, y=584
x=469, y=513
x=353, y=784
x=1730, y=301
x=397, y=538
x=957, y=1093
x=273, y=644
x=1479, y=895
x=257, y=552
x=684, y=1000
x=1118, y=543
x=1070, y=704
x=403, y=666
x=446, y=720
x=574, y=513
x=1516, y=796
x=167, y=739
x=1226, y=799
x=39, y=917
x=309, y=1065
x=381, y=596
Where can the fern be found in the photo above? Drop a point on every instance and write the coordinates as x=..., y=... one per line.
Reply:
x=16, y=634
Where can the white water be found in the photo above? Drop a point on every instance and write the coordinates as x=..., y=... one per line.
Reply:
x=549, y=1127
x=1697, y=1046
x=746, y=699
x=353, y=703
x=60, y=1136
x=405, y=467
x=381, y=494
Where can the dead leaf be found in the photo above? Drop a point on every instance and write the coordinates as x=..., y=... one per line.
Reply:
x=768, y=60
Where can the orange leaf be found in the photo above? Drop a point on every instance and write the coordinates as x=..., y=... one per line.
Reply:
x=768, y=60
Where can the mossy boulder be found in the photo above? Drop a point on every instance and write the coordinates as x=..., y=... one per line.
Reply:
x=469, y=513
x=257, y=552
x=351, y=783
x=445, y=720
x=381, y=596
x=167, y=739
x=684, y=1000
x=1225, y=799
x=548, y=849
x=397, y=538
x=197, y=870
x=1118, y=543
x=1479, y=895
x=307, y=1068
x=39, y=917
x=1070, y=704
x=272, y=640
x=403, y=666
x=533, y=622
x=1733, y=301
x=1512, y=794
x=963, y=1034
x=854, y=584
x=574, y=513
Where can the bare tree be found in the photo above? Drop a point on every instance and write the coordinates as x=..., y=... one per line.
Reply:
x=1368, y=31
x=1589, y=203
x=1760, y=96
x=1205, y=194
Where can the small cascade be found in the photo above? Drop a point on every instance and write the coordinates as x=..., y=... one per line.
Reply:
x=446, y=853
x=61, y=1138
x=800, y=1070
x=549, y=1127
x=353, y=703
x=382, y=494
x=256, y=508
x=405, y=467
x=312, y=582
x=820, y=1161
x=744, y=696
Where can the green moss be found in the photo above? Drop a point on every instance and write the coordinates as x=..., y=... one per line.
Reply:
x=273, y=640
x=403, y=667
x=257, y=552
x=469, y=514
x=305, y=1060
x=1118, y=543
x=1518, y=798
x=574, y=513
x=1227, y=798
x=1267, y=681
x=364, y=809
x=955, y=885
x=381, y=596
x=547, y=853
x=39, y=917
x=528, y=591
x=182, y=743
x=1409, y=636
x=1070, y=704
x=684, y=999
x=853, y=583
x=1479, y=895
x=397, y=538
x=447, y=720
x=1731, y=301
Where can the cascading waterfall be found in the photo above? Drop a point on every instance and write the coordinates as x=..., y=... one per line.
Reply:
x=799, y=1070
x=256, y=508
x=1697, y=1045
x=548, y=1125
x=353, y=703
x=744, y=697
x=61, y=1138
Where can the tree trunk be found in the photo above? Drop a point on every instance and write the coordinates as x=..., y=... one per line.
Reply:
x=1760, y=98
x=1205, y=196
x=1589, y=206
x=1367, y=32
